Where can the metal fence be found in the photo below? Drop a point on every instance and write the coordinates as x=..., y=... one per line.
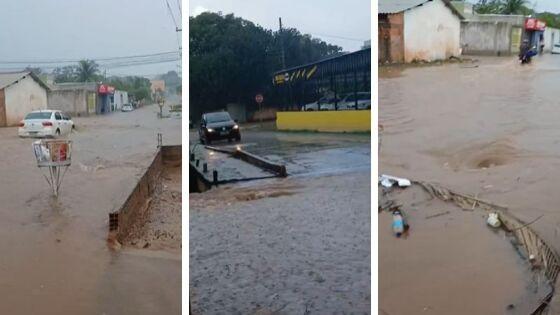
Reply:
x=337, y=82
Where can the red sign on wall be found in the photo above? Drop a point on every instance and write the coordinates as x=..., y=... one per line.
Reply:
x=533, y=24
x=105, y=89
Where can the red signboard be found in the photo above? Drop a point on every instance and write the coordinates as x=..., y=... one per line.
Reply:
x=105, y=89
x=533, y=24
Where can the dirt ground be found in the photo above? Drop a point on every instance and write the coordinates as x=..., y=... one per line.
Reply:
x=297, y=245
x=162, y=231
x=489, y=129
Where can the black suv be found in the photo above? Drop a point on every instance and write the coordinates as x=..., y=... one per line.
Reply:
x=216, y=126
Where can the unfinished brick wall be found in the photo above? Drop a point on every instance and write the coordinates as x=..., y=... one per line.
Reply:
x=391, y=38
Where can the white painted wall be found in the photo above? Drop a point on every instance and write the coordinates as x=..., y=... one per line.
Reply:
x=551, y=34
x=431, y=32
x=22, y=97
x=120, y=98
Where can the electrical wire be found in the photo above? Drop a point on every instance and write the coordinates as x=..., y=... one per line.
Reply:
x=180, y=10
x=54, y=61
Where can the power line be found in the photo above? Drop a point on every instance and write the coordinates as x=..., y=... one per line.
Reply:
x=59, y=61
x=339, y=37
x=121, y=64
x=180, y=10
x=171, y=13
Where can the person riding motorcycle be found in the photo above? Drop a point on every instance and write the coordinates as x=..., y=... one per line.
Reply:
x=525, y=52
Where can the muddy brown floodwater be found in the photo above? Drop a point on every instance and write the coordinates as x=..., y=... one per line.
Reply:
x=490, y=131
x=53, y=255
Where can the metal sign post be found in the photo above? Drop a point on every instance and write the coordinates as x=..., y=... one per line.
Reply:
x=160, y=103
x=56, y=156
x=259, y=99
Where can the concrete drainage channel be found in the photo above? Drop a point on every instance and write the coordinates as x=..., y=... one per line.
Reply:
x=135, y=210
x=202, y=177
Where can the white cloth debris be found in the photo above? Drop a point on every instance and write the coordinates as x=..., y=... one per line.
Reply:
x=493, y=220
x=389, y=181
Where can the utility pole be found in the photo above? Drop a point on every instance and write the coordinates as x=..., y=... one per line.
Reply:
x=282, y=44
x=284, y=58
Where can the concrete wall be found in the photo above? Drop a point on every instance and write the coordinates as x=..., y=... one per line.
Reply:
x=134, y=212
x=120, y=98
x=515, y=20
x=329, y=121
x=431, y=32
x=551, y=37
x=73, y=102
x=237, y=111
x=391, y=38
x=23, y=97
x=486, y=38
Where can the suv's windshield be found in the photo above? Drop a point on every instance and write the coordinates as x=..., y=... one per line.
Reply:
x=39, y=115
x=217, y=117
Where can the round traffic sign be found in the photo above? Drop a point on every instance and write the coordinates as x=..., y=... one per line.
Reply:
x=259, y=98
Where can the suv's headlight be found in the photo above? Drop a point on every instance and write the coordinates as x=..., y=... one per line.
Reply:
x=235, y=127
x=210, y=130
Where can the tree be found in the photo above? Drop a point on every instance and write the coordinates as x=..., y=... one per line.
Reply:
x=137, y=87
x=171, y=78
x=65, y=74
x=87, y=71
x=513, y=6
x=503, y=7
x=232, y=59
x=36, y=70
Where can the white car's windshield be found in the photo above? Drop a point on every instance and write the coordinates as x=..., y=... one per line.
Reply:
x=38, y=115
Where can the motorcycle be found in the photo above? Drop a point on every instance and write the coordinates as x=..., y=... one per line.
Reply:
x=525, y=58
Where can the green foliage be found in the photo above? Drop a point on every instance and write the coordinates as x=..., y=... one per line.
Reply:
x=37, y=71
x=513, y=6
x=87, y=71
x=551, y=19
x=137, y=87
x=516, y=7
x=84, y=71
x=232, y=59
x=171, y=78
x=503, y=7
x=65, y=74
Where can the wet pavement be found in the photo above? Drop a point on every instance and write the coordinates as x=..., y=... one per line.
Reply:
x=305, y=153
x=491, y=131
x=295, y=245
x=54, y=254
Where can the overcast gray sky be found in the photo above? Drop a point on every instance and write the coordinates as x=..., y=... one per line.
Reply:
x=545, y=5
x=326, y=19
x=74, y=29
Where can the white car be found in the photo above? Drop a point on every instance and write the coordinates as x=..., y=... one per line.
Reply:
x=325, y=103
x=556, y=49
x=349, y=101
x=45, y=123
x=127, y=108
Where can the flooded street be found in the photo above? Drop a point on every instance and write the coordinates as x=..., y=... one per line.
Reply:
x=295, y=245
x=489, y=129
x=54, y=253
